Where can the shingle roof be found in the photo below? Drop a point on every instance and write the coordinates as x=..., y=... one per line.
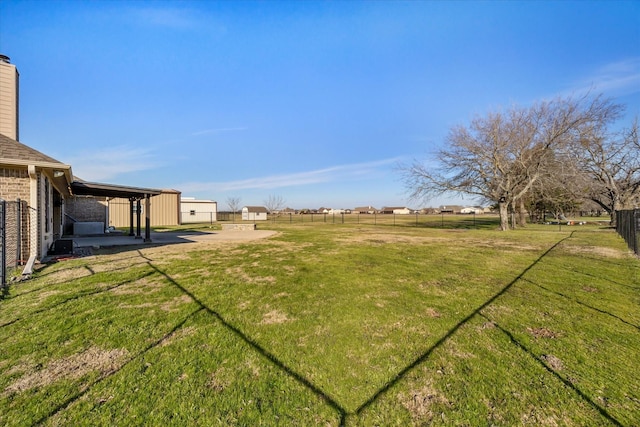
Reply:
x=14, y=150
x=256, y=209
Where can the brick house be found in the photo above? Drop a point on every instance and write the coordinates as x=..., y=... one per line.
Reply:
x=41, y=195
x=37, y=186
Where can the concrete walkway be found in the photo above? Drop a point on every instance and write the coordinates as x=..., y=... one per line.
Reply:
x=169, y=237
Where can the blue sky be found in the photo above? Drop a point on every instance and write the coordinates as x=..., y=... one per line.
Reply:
x=314, y=102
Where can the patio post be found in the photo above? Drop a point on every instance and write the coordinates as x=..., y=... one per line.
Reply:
x=138, y=236
x=131, y=233
x=147, y=218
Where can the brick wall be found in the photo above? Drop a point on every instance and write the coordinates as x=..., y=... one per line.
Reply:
x=87, y=208
x=14, y=184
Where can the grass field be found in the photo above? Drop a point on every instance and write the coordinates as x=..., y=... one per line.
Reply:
x=332, y=324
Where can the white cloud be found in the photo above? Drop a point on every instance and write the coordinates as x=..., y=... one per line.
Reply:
x=109, y=163
x=613, y=79
x=330, y=174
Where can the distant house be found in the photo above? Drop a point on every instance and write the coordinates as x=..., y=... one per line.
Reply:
x=451, y=209
x=194, y=210
x=335, y=211
x=472, y=210
x=288, y=211
x=254, y=213
x=429, y=211
x=365, y=210
x=396, y=210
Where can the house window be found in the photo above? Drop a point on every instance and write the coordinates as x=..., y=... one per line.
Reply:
x=192, y=212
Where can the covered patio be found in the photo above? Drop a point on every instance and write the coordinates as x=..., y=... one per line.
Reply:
x=133, y=194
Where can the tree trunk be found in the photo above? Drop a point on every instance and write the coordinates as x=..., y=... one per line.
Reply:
x=504, y=216
x=522, y=214
x=612, y=213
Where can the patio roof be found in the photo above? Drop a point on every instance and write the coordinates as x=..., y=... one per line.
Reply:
x=84, y=188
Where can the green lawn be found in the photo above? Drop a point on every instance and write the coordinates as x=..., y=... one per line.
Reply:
x=332, y=324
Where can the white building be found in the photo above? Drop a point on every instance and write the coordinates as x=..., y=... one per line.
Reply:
x=254, y=213
x=396, y=210
x=193, y=210
x=472, y=210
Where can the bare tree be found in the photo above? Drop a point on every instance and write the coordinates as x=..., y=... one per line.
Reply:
x=234, y=205
x=274, y=203
x=612, y=163
x=499, y=157
x=559, y=190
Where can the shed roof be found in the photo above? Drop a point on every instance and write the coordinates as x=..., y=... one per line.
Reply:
x=256, y=209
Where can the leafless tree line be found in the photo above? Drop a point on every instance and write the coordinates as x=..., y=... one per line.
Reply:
x=551, y=156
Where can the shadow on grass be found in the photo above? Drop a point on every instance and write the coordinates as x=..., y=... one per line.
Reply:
x=478, y=311
x=260, y=349
x=73, y=398
x=75, y=297
x=342, y=413
x=38, y=289
x=422, y=358
x=549, y=369
x=607, y=279
x=583, y=304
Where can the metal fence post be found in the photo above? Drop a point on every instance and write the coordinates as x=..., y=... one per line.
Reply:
x=3, y=243
x=636, y=231
x=18, y=231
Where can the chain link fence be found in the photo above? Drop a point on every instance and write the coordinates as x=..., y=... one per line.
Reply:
x=15, y=217
x=628, y=226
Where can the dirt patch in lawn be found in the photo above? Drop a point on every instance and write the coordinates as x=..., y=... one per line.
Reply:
x=554, y=362
x=420, y=403
x=219, y=380
x=542, y=333
x=274, y=317
x=374, y=238
x=598, y=251
x=71, y=367
x=178, y=335
x=245, y=277
x=139, y=287
x=67, y=274
x=175, y=303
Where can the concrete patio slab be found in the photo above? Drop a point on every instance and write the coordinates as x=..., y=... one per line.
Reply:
x=169, y=237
